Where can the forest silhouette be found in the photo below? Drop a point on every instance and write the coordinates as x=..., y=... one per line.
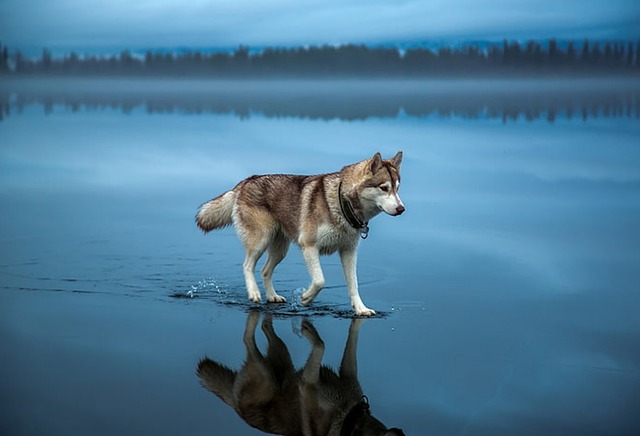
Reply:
x=510, y=58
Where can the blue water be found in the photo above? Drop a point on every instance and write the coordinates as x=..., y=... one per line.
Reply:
x=508, y=292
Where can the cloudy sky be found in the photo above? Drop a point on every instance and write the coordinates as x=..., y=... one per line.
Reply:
x=118, y=24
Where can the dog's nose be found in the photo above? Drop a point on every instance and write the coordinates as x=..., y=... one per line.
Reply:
x=399, y=209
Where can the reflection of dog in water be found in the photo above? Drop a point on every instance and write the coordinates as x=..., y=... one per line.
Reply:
x=272, y=396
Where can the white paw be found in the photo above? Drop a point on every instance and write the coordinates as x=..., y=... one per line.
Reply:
x=307, y=298
x=276, y=299
x=255, y=297
x=365, y=311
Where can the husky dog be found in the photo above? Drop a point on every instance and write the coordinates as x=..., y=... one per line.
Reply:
x=272, y=396
x=322, y=214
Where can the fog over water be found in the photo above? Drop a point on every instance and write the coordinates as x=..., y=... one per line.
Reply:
x=343, y=99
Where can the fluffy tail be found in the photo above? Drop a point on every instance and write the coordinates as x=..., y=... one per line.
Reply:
x=218, y=379
x=216, y=213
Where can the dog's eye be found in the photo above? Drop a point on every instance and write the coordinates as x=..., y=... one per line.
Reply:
x=384, y=188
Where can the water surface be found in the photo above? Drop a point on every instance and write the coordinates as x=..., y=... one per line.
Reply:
x=507, y=293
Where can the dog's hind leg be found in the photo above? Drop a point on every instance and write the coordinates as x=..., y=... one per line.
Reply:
x=312, y=259
x=277, y=252
x=278, y=356
x=256, y=384
x=249, y=267
x=249, y=337
x=256, y=230
x=255, y=244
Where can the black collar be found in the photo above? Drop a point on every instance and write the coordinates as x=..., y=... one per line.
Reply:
x=350, y=215
x=355, y=414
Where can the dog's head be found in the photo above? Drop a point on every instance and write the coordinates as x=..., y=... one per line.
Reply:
x=359, y=421
x=381, y=183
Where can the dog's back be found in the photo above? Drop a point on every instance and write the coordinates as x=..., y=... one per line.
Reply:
x=277, y=199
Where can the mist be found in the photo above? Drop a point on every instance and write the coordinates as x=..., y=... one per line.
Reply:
x=508, y=100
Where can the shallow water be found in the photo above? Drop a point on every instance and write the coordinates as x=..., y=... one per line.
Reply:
x=507, y=293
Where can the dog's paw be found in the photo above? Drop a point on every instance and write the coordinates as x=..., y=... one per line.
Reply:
x=255, y=297
x=307, y=298
x=365, y=311
x=277, y=299
x=310, y=332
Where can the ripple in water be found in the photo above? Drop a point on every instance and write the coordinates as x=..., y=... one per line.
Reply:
x=210, y=289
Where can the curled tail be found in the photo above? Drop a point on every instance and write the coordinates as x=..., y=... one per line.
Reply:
x=216, y=213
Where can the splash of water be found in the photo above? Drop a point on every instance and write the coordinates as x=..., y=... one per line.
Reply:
x=296, y=300
x=206, y=285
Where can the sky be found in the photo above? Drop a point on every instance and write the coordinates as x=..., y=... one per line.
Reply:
x=94, y=25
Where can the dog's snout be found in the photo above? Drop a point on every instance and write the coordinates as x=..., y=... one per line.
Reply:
x=400, y=209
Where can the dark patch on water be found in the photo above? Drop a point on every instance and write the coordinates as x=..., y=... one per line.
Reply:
x=209, y=290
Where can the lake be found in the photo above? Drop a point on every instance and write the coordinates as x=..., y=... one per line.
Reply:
x=507, y=294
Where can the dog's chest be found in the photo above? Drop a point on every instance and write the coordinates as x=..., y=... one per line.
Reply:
x=331, y=239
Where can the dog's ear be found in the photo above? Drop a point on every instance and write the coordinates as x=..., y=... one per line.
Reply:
x=376, y=162
x=396, y=160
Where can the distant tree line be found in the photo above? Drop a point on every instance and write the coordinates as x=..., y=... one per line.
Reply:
x=510, y=57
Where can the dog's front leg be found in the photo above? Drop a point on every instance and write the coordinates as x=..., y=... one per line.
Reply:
x=312, y=259
x=311, y=370
x=349, y=365
x=348, y=258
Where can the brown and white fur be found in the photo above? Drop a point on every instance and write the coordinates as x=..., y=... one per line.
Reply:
x=270, y=211
x=270, y=394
